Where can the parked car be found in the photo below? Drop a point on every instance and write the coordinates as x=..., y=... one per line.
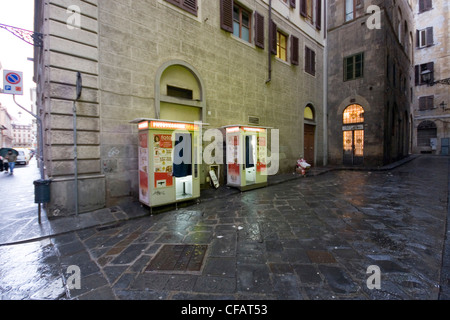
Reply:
x=23, y=157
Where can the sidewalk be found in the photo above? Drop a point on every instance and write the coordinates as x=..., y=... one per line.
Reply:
x=33, y=231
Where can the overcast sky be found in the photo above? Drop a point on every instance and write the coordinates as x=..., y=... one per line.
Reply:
x=14, y=52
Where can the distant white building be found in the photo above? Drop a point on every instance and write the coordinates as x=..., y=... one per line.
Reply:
x=6, y=133
x=23, y=135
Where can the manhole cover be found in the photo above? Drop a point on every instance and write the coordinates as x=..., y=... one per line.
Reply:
x=320, y=257
x=181, y=258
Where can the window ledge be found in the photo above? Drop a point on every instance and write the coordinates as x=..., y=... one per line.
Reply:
x=282, y=61
x=251, y=45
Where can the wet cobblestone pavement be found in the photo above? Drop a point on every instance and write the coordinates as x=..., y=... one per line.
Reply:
x=306, y=239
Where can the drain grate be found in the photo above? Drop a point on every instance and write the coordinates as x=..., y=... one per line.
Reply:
x=317, y=256
x=180, y=258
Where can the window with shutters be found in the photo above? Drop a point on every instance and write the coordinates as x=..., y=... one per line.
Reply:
x=187, y=5
x=424, y=73
x=425, y=37
x=425, y=5
x=241, y=23
x=311, y=10
x=354, y=67
x=238, y=21
x=281, y=46
x=426, y=103
x=310, y=61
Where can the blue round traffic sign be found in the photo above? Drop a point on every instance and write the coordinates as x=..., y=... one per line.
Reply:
x=13, y=78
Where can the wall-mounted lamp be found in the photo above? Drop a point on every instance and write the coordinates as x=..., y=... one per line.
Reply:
x=426, y=76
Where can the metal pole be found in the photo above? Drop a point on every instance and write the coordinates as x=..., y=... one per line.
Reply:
x=79, y=88
x=75, y=154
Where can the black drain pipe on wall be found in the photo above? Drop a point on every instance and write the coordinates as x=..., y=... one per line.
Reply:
x=269, y=54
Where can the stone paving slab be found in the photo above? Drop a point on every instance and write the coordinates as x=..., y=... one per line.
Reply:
x=306, y=239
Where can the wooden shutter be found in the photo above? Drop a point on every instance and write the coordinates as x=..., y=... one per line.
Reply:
x=426, y=103
x=273, y=37
x=294, y=50
x=430, y=102
x=319, y=14
x=307, y=60
x=425, y=5
x=417, y=38
x=429, y=36
x=259, y=30
x=421, y=5
x=226, y=15
x=417, y=74
x=189, y=6
x=430, y=66
x=422, y=103
x=310, y=61
x=303, y=12
x=325, y=21
x=292, y=3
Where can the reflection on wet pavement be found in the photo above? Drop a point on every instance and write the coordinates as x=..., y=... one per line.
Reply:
x=311, y=238
x=30, y=271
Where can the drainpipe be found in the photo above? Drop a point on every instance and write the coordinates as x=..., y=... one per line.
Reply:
x=269, y=53
x=325, y=87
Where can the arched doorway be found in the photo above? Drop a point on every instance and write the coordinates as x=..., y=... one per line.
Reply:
x=179, y=92
x=353, y=135
x=426, y=136
x=309, y=134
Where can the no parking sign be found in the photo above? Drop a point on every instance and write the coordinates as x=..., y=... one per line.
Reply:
x=13, y=82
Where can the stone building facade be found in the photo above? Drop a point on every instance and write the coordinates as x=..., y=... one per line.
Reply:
x=211, y=61
x=24, y=135
x=6, y=132
x=370, y=71
x=431, y=116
